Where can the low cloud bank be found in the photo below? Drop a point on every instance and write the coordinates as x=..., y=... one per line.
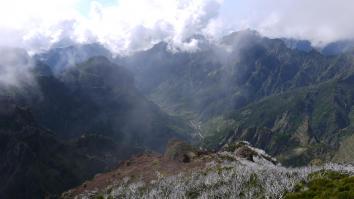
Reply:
x=126, y=26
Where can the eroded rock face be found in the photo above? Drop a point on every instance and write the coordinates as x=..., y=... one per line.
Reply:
x=179, y=151
x=244, y=150
x=34, y=163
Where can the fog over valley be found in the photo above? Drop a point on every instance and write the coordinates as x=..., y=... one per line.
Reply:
x=176, y=99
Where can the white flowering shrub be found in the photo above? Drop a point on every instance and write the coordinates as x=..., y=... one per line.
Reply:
x=224, y=177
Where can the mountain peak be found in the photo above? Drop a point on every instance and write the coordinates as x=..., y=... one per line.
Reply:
x=240, y=36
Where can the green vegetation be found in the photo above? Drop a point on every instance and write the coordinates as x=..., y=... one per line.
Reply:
x=216, y=129
x=323, y=185
x=100, y=197
x=345, y=152
x=233, y=146
x=281, y=124
x=279, y=99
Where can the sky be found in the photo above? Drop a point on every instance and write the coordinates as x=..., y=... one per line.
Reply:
x=83, y=6
x=125, y=26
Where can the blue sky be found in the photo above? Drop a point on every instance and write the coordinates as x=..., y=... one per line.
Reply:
x=84, y=5
x=228, y=9
x=231, y=10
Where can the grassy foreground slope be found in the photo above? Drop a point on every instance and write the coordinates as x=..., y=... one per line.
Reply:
x=324, y=184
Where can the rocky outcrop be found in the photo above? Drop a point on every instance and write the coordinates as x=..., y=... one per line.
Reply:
x=244, y=150
x=179, y=151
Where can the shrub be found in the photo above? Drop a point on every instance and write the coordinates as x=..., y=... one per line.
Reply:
x=325, y=184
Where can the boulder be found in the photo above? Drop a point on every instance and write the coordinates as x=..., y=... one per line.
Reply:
x=180, y=151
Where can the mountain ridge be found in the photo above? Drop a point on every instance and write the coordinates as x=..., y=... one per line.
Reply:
x=73, y=125
x=210, y=86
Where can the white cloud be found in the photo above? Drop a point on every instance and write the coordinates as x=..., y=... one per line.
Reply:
x=126, y=26
x=130, y=25
x=134, y=25
x=33, y=22
x=320, y=21
x=15, y=65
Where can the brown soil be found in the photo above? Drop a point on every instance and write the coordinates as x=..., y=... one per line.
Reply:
x=142, y=167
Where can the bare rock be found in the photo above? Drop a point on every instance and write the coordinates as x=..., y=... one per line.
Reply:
x=179, y=151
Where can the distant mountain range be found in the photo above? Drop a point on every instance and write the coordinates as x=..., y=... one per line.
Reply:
x=61, y=57
x=282, y=95
x=296, y=104
x=330, y=49
x=87, y=110
x=338, y=47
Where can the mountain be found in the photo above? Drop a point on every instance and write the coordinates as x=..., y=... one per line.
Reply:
x=62, y=56
x=243, y=71
x=294, y=104
x=330, y=49
x=302, y=45
x=278, y=94
x=98, y=96
x=238, y=170
x=338, y=47
x=301, y=125
x=59, y=129
x=34, y=163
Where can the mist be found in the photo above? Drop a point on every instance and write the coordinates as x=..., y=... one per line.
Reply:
x=126, y=26
x=15, y=68
x=319, y=21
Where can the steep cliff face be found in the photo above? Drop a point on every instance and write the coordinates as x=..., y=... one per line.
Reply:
x=61, y=129
x=99, y=97
x=305, y=124
x=34, y=163
x=111, y=104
